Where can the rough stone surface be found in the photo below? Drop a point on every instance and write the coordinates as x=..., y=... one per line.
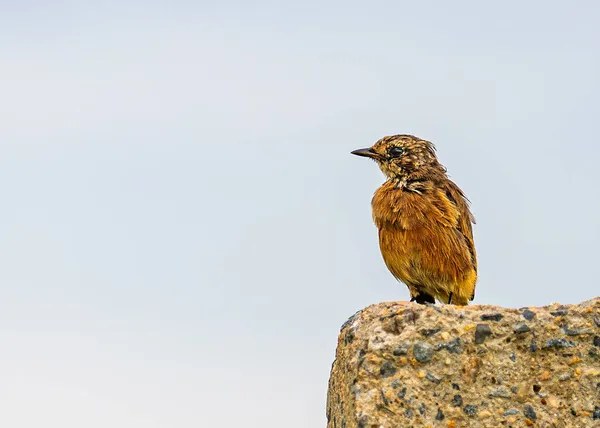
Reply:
x=401, y=364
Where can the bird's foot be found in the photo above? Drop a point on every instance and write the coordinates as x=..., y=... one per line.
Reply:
x=423, y=299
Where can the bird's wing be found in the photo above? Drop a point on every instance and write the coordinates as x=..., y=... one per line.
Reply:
x=465, y=219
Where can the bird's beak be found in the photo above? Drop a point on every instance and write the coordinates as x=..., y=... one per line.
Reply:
x=367, y=153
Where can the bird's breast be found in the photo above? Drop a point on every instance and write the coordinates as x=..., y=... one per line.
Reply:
x=408, y=210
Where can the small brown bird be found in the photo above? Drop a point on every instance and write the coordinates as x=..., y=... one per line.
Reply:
x=424, y=222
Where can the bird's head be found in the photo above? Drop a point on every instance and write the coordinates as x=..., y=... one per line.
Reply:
x=404, y=158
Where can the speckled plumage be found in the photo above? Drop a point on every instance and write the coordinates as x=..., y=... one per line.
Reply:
x=424, y=222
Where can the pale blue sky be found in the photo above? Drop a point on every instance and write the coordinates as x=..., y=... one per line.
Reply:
x=183, y=229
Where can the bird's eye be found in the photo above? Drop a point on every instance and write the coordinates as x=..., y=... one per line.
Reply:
x=396, y=151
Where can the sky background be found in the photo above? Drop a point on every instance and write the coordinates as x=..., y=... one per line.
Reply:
x=183, y=229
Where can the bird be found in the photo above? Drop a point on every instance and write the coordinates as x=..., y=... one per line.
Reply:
x=424, y=222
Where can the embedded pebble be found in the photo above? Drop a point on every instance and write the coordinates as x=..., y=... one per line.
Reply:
x=440, y=415
x=457, y=400
x=429, y=331
x=423, y=352
x=482, y=332
x=576, y=332
x=454, y=347
x=470, y=409
x=500, y=392
x=559, y=312
x=432, y=378
x=528, y=315
x=529, y=413
x=402, y=393
x=402, y=349
x=521, y=328
x=558, y=344
x=387, y=369
x=492, y=317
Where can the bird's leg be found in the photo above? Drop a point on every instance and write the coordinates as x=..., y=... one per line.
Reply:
x=423, y=299
x=450, y=298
